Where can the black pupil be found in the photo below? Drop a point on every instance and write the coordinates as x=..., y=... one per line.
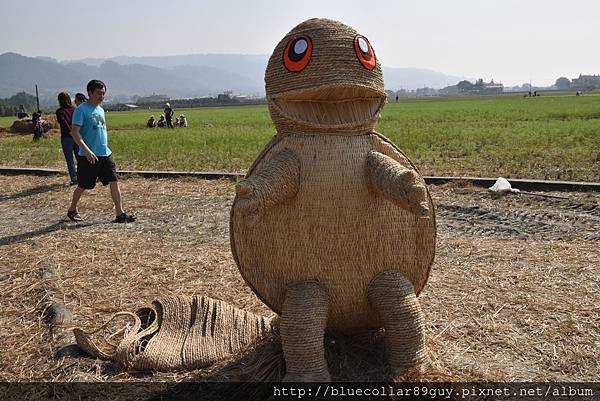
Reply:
x=292, y=52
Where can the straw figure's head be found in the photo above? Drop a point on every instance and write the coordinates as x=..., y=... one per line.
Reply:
x=324, y=77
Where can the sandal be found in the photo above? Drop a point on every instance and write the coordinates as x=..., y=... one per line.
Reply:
x=125, y=218
x=74, y=215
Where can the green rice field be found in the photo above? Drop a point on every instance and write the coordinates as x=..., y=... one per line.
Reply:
x=546, y=137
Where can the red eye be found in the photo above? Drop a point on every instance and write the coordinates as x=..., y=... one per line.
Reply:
x=297, y=53
x=364, y=52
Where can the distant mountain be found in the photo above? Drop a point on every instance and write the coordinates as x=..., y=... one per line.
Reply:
x=126, y=79
x=242, y=64
x=192, y=75
x=19, y=73
x=45, y=58
x=123, y=80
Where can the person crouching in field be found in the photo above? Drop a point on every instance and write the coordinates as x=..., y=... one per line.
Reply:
x=151, y=123
x=183, y=121
x=94, y=160
x=64, y=114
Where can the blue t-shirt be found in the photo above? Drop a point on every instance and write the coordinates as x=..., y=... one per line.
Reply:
x=93, y=128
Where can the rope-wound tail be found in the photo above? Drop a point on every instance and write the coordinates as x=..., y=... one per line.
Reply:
x=177, y=333
x=104, y=347
x=219, y=331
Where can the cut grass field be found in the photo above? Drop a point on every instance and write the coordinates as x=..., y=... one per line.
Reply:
x=547, y=137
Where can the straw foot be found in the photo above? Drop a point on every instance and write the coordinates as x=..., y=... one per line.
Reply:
x=302, y=330
x=392, y=295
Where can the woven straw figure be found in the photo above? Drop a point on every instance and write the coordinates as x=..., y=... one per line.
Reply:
x=333, y=227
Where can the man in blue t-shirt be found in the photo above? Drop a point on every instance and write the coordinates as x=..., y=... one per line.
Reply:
x=94, y=161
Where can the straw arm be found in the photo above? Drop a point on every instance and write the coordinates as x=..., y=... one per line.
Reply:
x=276, y=181
x=399, y=184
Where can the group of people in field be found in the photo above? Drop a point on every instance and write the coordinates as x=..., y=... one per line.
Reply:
x=84, y=140
x=166, y=119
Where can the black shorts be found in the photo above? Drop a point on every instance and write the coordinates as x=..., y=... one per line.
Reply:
x=104, y=170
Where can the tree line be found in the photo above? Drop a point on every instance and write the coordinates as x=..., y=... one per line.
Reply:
x=10, y=106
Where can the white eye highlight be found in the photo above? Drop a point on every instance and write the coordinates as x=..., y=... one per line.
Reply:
x=300, y=46
x=364, y=46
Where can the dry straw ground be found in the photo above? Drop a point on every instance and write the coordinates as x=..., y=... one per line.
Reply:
x=514, y=293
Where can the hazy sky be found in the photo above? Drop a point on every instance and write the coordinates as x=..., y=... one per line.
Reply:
x=512, y=41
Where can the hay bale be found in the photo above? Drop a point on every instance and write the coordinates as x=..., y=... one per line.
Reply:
x=50, y=122
x=25, y=125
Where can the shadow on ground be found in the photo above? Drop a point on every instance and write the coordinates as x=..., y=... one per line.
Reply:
x=31, y=191
x=60, y=225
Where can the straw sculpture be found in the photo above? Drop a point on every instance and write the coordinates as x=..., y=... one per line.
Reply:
x=333, y=227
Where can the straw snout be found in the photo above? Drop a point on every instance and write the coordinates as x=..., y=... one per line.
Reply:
x=331, y=105
x=331, y=93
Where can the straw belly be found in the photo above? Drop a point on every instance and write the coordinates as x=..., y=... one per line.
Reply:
x=335, y=231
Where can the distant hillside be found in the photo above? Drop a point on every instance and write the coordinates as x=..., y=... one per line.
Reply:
x=19, y=73
x=140, y=79
x=184, y=76
x=249, y=66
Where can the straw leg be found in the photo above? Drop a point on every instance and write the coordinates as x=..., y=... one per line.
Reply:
x=392, y=295
x=302, y=329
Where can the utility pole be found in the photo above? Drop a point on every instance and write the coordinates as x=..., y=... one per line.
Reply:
x=37, y=99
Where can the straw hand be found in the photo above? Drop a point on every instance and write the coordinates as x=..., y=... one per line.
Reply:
x=414, y=192
x=247, y=203
x=417, y=200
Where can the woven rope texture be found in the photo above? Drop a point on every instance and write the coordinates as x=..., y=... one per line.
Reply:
x=178, y=333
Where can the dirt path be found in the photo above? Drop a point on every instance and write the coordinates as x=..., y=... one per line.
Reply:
x=514, y=293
